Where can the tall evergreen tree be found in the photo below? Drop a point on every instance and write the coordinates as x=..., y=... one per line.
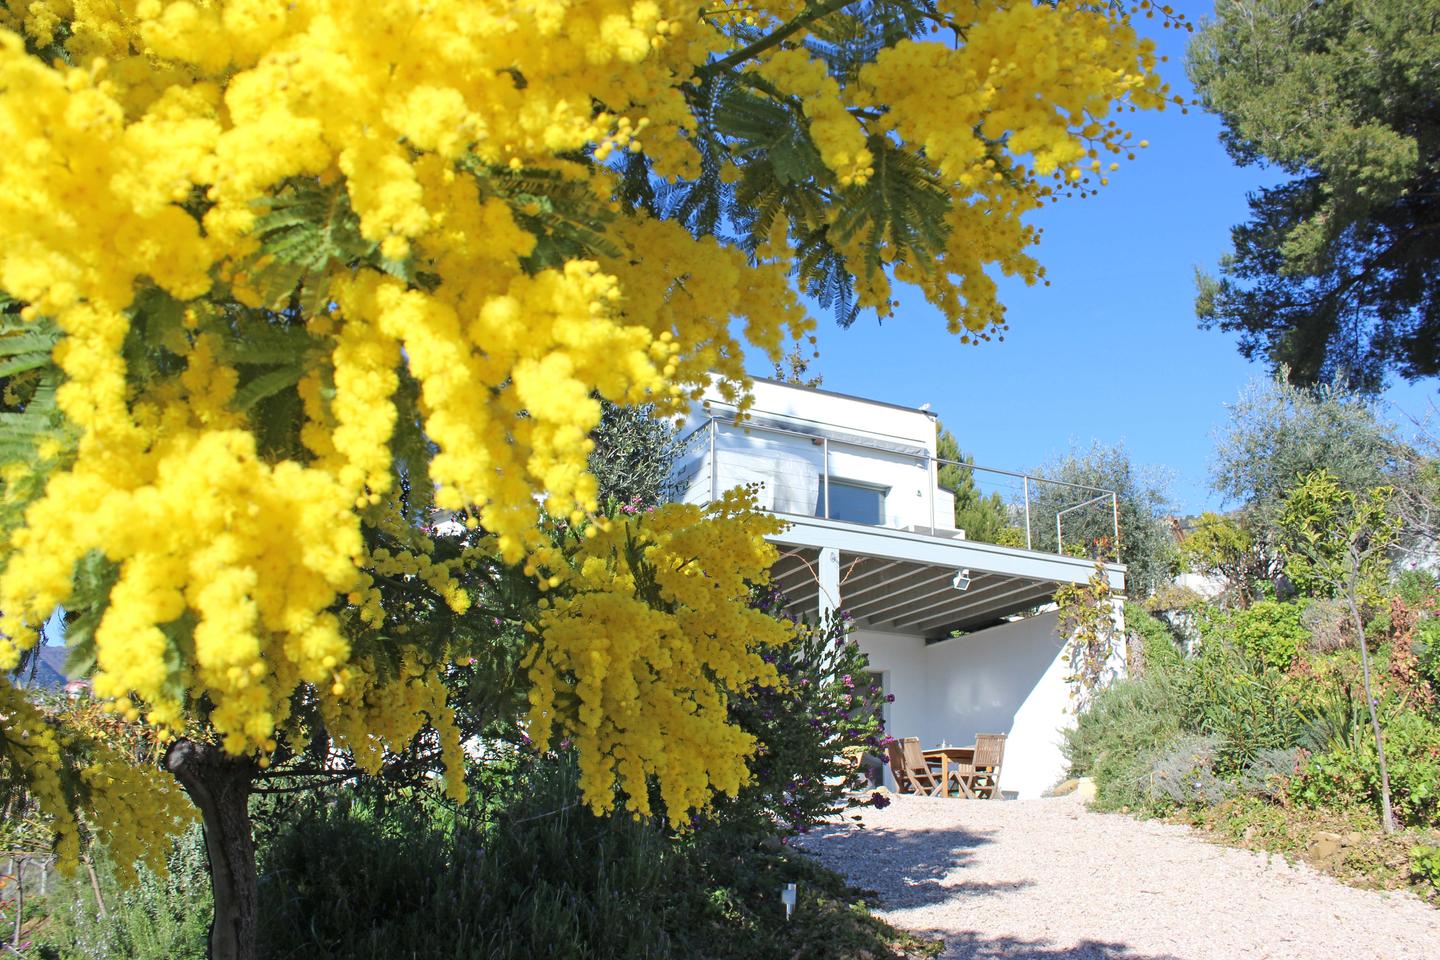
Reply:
x=1336, y=269
x=983, y=518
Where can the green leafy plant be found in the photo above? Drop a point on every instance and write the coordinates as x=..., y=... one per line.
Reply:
x=1159, y=647
x=1127, y=727
x=1335, y=778
x=1416, y=588
x=1427, y=651
x=1337, y=543
x=1425, y=865
x=813, y=730
x=1087, y=617
x=1231, y=549
x=1412, y=745
x=156, y=918
x=1270, y=632
x=1235, y=697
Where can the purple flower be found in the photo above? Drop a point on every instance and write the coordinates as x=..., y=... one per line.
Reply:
x=879, y=800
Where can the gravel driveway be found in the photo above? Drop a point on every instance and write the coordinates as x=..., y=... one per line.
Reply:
x=1049, y=880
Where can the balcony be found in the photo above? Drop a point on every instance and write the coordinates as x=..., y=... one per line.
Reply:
x=886, y=482
x=862, y=487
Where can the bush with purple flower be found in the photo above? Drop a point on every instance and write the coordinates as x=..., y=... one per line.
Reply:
x=813, y=729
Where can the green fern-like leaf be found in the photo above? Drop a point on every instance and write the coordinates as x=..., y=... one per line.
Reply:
x=901, y=207
x=304, y=230
x=762, y=127
x=95, y=576
x=266, y=384
x=562, y=214
x=29, y=376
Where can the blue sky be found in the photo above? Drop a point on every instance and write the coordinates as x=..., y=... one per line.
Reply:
x=1110, y=350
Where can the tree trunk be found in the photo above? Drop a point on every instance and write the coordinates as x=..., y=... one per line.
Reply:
x=219, y=785
x=1387, y=816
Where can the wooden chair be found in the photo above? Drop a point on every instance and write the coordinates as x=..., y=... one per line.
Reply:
x=982, y=779
x=912, y=772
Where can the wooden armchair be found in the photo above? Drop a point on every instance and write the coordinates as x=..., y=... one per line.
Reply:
x=913, y=773
x=982, y=778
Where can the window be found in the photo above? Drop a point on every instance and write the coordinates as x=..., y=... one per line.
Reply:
x=853, y=502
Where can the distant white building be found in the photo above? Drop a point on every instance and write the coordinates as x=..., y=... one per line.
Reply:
x=871, y=533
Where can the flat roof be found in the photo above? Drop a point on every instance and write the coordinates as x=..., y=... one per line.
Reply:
x=842, y=396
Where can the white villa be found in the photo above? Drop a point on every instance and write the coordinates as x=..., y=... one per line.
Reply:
x=947, y=622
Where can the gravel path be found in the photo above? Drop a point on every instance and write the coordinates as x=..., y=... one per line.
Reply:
x=1050, y=880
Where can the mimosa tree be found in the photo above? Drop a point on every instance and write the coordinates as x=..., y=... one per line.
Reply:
x=288, y=275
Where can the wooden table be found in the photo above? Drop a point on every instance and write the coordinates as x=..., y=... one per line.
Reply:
x=961, y=757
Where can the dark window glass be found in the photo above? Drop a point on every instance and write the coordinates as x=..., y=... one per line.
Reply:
x=853, y=502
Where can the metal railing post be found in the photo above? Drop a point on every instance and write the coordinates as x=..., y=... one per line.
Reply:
x=1027, y=514
x=1059, y=544
x=825, y=474
x=714, y=467
x=1115, y=512
x=932, y=487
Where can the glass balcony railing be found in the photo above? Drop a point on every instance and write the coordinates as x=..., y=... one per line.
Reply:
x=892, y=483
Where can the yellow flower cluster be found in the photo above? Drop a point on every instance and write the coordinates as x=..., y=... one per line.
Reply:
x=839, y=136
x=370, y=716
x=647, y=630
x=150, y=143
x=130, y=808
x=228, y=101
x=1025, y=98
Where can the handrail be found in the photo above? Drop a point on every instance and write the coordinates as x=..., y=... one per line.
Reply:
x=1059, y=538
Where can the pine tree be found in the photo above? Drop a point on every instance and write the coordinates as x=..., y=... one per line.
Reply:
x=1334, y=273
x=983, y=518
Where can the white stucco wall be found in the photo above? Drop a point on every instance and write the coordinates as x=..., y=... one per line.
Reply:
x=821, y=407
x=1008, y=679
x=789, y=468
x=901, y=659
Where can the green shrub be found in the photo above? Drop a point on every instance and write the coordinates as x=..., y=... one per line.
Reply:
x=1128, y=726
x=1427, y=651
x=156, y=918
x=1335, y=778
x=828, y=711
x=1342, y=777
x=1412, y=754
x=1184, y=775
x=1161, y=651
x=1240, y=701
x=1415, y=587
x=1270, y=632
x=1192, y=731
x=1329, y=624
x=362, y=879
x=1425, y=865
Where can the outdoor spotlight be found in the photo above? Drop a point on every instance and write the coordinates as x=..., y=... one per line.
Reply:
x=962, y=580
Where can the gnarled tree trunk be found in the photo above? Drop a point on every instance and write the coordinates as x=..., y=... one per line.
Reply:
x=219, y=785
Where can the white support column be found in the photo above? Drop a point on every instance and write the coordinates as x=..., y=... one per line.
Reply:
x=828, y=577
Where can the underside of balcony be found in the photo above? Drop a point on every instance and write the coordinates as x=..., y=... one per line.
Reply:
x=916, y=583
